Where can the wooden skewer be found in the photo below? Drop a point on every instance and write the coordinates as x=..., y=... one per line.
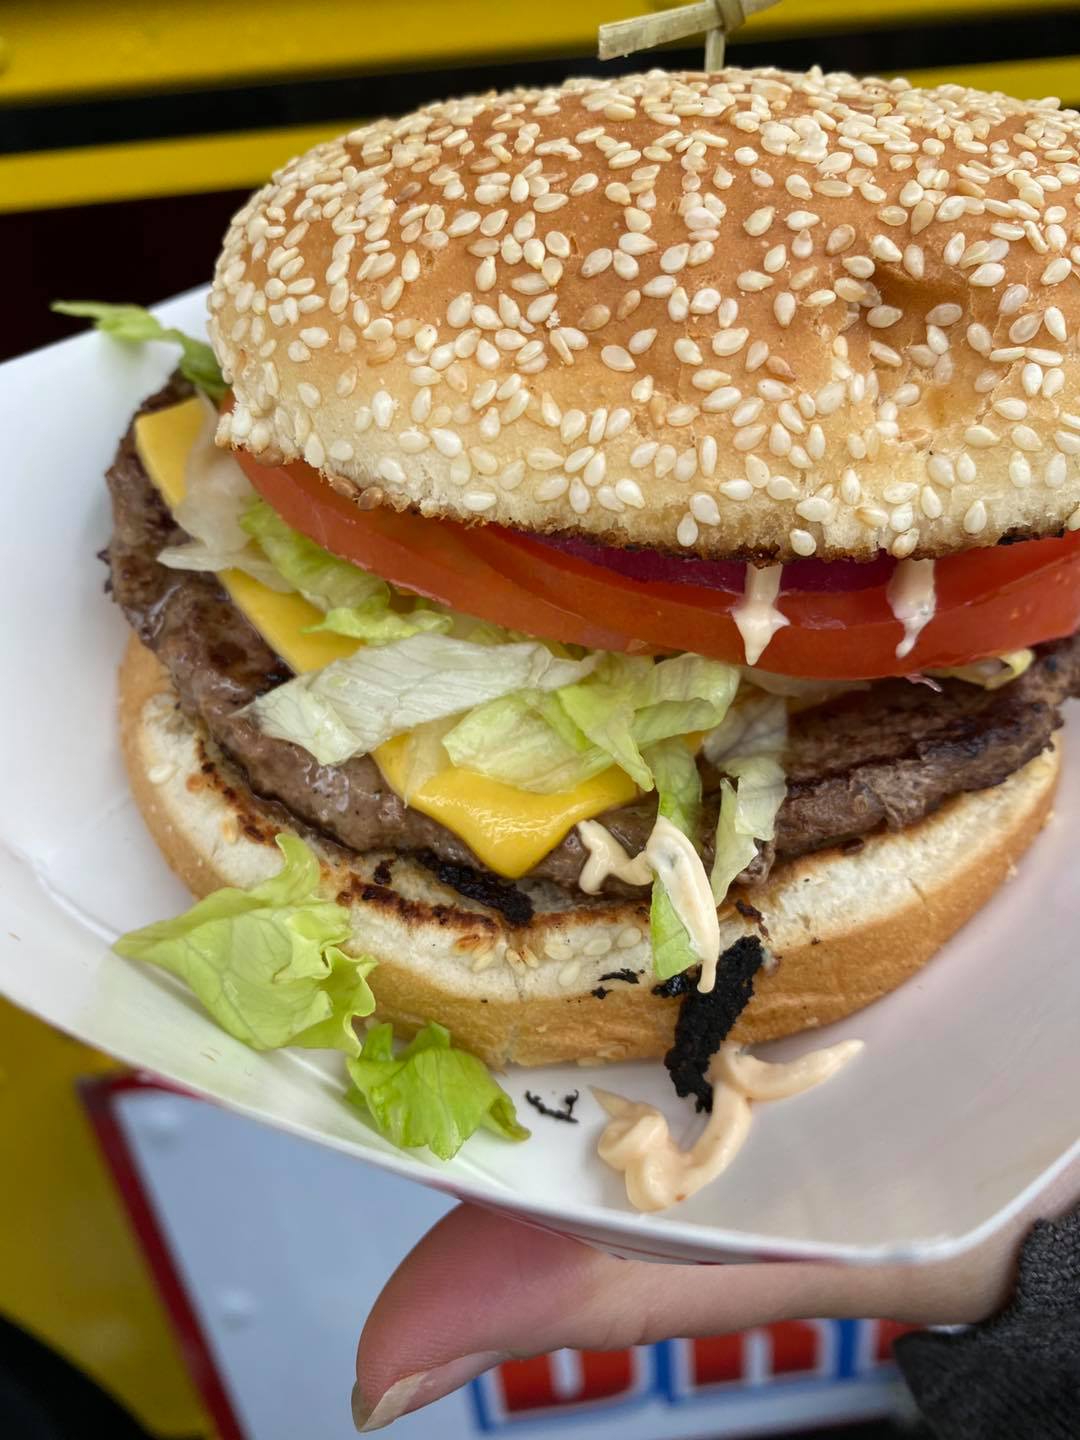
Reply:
x=717, y=18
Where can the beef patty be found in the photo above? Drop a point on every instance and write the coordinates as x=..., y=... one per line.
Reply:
x=885, y=756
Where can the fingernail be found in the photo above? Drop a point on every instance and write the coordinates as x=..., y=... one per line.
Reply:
x=415, y=1391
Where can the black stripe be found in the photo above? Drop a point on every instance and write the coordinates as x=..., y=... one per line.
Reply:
x=334, y=99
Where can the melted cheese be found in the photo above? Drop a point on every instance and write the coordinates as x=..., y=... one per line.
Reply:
x=164, y=440
x=509, y=830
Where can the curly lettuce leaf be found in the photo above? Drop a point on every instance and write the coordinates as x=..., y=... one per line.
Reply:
x=198, y=363
x=430, y=1093
x=266, y=963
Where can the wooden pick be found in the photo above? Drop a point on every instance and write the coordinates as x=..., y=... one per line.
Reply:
x=717, y=18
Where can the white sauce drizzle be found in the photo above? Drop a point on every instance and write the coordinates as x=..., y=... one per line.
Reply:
x=913, y=600
x=637, y=1141
x=756, y=614
x=671, y=855
x=607, y=857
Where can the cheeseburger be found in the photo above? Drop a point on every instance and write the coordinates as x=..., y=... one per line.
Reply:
x=626, y=559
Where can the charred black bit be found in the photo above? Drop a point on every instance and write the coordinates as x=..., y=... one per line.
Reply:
x=676, y=985
x=706, y=1020
x=489, y=890
x=599, y=992
x=383, y=872
x=566, y=1113
x=852, y=847
x=630, y=976
x=754, y=915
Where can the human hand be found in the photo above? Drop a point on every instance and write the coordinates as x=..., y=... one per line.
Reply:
x=481, y=1288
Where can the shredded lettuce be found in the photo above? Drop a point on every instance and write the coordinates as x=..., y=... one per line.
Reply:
x=430, y=1093
x=555, y=741
x=603, y=710
x=801, y=693
x=425, y=755
x=354, y=602
x=992, y=673
x=352, y=705
x=735, y=849
x=755, y=725
x=320, y=577
x=198, y=362
x=511, y=741
x=631, y=703
x=678, y=786
x=217, y=494
x=267, y=963
x=747, y=746
x=747, y=814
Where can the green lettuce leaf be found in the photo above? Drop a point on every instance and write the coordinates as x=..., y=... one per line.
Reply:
x=755, y=725
x=512, y=741
x=198, y=362
x=552, y=742
x=430, y=1093
x=378, y=624
x=747, y=814
x=682, y=695
x=735, y=848
x=354, y=602
x=747, y=746
x=266, y=963
x=630, y=703
x=320, y=577
x=352, y=705
x=678, y=785
x=217, y=493
x=603, y=709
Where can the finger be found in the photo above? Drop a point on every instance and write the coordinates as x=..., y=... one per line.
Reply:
x=481, y=1288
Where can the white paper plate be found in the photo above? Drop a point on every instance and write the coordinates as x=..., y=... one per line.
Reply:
x=964, y=1103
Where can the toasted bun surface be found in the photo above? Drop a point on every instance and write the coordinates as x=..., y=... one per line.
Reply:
x=844, y=929
x=752, y=314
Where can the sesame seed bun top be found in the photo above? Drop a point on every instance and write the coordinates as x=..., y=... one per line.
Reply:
x=750, y=314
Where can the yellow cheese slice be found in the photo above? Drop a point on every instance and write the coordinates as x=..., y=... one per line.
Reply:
x=509, y=830
x=164, y=440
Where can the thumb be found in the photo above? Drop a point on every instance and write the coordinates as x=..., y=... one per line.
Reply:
x=481, y=1288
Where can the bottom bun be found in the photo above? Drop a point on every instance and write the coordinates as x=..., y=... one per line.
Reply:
x=574, y=981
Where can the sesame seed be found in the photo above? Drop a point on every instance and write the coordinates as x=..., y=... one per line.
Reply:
x=759, y=220
x=883, y=316
x=975, y=518
x=1059, y=269
x=615, y=357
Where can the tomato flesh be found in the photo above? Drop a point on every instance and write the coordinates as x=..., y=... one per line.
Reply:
x=988, y=601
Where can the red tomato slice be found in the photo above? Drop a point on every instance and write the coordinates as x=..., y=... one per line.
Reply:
x=434, y=558
x=988, y=600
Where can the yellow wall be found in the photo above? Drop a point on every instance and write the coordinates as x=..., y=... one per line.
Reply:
x=70, y=1270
